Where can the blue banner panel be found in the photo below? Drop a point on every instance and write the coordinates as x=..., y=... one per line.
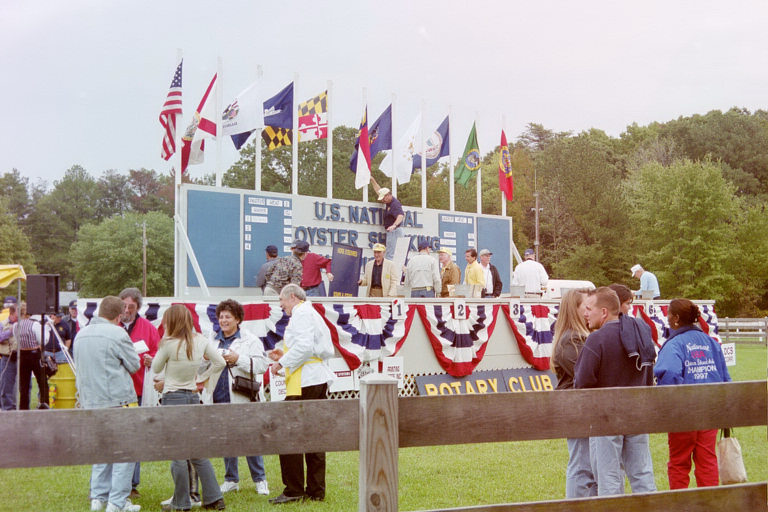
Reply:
x=345, y=267
x=493, y=234
x=457, y=232
x=266, y=221
x=211, y=217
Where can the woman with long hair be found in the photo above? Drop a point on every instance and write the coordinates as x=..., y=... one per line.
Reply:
x=689, y=356
x=570, y=334
x=181, y=351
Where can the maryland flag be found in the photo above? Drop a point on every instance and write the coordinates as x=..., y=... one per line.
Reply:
x=276, y=137
x=313, y=118
x=313, y=124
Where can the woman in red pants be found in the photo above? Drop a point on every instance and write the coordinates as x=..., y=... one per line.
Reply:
x=690, y=357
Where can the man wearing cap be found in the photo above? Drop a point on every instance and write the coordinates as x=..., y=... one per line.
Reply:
x=380, y=276
x=423, y=273
x=285, y=270
x=492, y=279
x=648, y=281
x=71, y=321
x=62, y=329
x=532, y=275
x=449, y=272
x=312, y=264
x=393, y=217
x=261, y=276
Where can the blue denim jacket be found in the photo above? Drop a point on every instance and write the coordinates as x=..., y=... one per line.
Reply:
x=105, y=359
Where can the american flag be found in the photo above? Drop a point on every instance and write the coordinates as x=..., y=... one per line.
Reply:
x=171, y=108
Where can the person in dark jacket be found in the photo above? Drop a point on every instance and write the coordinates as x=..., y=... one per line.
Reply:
x=492, y=279
x=690, y=357
x=615, y=354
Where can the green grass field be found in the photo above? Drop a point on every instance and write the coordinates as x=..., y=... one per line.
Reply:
x=430, y=477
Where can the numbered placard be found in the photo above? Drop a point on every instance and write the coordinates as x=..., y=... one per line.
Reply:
x=729, y=353
x=650, y=308
x=459, y=309
x=399, y=309
x=515, y=309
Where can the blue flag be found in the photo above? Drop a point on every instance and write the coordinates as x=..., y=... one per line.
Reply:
x=379, y=136
x=278, y=113
x=437, y=146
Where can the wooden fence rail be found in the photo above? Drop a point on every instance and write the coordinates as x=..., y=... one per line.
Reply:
x=744, y=330
x=379, y=423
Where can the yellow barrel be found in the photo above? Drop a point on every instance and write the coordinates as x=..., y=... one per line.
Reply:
x=64, y=380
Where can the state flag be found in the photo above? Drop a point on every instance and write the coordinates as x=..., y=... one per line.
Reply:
x=313, y=118
x=192, y=143
x=363, y=168
x=505, y=168
x=470, y=160
x=244, y=115
x=379, y=136
x=436, y=146
x=403, y=152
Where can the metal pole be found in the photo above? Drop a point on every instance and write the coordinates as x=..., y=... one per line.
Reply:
x=144, y=254
x=536, y=213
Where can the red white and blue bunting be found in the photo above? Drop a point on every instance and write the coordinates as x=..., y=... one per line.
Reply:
x=459, y=344
x=366, y=332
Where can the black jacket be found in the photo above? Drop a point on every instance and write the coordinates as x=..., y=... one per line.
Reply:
x=496, y=283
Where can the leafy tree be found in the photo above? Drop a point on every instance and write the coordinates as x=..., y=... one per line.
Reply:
x=14, y=188
x=14, y=245
x=57, y=217
x=150, y=191
x=750, y=266
x=107, y=257
x=683, y=217
x=112, y=195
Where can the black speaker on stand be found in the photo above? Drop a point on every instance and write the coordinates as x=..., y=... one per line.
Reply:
x=43, y=299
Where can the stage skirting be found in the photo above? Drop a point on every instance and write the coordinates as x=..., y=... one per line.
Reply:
x=408, y=339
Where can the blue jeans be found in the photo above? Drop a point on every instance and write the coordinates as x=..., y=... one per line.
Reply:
x=579, y=480
x=392, y=237
x=136, y=478
x=255, y=466
x=608, y=453
x=7, y=384
x=179, y=469
x=424, y=294
x=111, y=482
x=317, y=291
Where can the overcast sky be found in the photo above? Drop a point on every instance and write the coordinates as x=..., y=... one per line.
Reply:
x=83, y=80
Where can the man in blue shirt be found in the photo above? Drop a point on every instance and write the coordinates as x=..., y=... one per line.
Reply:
x=393, y=218
x=648, y=281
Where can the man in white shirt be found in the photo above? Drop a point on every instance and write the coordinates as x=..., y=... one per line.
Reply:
x=531, y=274
x=307, y=344
x=423, y=274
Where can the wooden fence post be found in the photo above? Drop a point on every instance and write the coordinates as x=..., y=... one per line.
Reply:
x=379, y=442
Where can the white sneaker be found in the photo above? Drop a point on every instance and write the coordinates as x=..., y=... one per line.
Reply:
x=229, y=486
x=195, y=502
x=262, y=488
x=128, y=507
x=97, y=504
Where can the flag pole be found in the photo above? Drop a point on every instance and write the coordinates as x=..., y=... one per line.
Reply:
x=451, y=188
x=392, y=151
x=503, y=198
x=423, y=158
x=329, y=148
x=219, y=99
x=365, y=103
x=479, y=185
x=257, y=142
x=177, y=192
x=295, y=141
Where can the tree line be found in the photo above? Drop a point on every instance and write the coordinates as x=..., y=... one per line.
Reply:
x=685, y=198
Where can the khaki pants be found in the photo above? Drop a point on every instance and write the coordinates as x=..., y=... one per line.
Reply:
x=376, y=292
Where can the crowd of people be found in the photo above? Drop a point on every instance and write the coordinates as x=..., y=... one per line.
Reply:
x=598, y=344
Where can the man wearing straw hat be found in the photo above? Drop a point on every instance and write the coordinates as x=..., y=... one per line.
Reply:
x=393, y=217
x=380, y=276
x=450, y=274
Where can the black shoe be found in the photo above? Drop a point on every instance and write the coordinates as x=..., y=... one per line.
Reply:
x=134, y=494
x=216, y=505
x=314, y=498
x=285, y=499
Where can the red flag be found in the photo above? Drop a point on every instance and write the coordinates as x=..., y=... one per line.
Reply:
x=363, y=171
x=505, y=168
x=171, y=109
x=192, y=150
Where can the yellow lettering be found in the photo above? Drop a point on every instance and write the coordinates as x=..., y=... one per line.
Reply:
x=522, y=384
x=547, y=382
x=535, y=381
x=446, y=387
x=431, y=389
x=457, y=387
x=511, y=387
x=482, y=386
x=470, y=388
x=494, y=385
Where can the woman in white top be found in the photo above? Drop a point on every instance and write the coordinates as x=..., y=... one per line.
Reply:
x=180, y=354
